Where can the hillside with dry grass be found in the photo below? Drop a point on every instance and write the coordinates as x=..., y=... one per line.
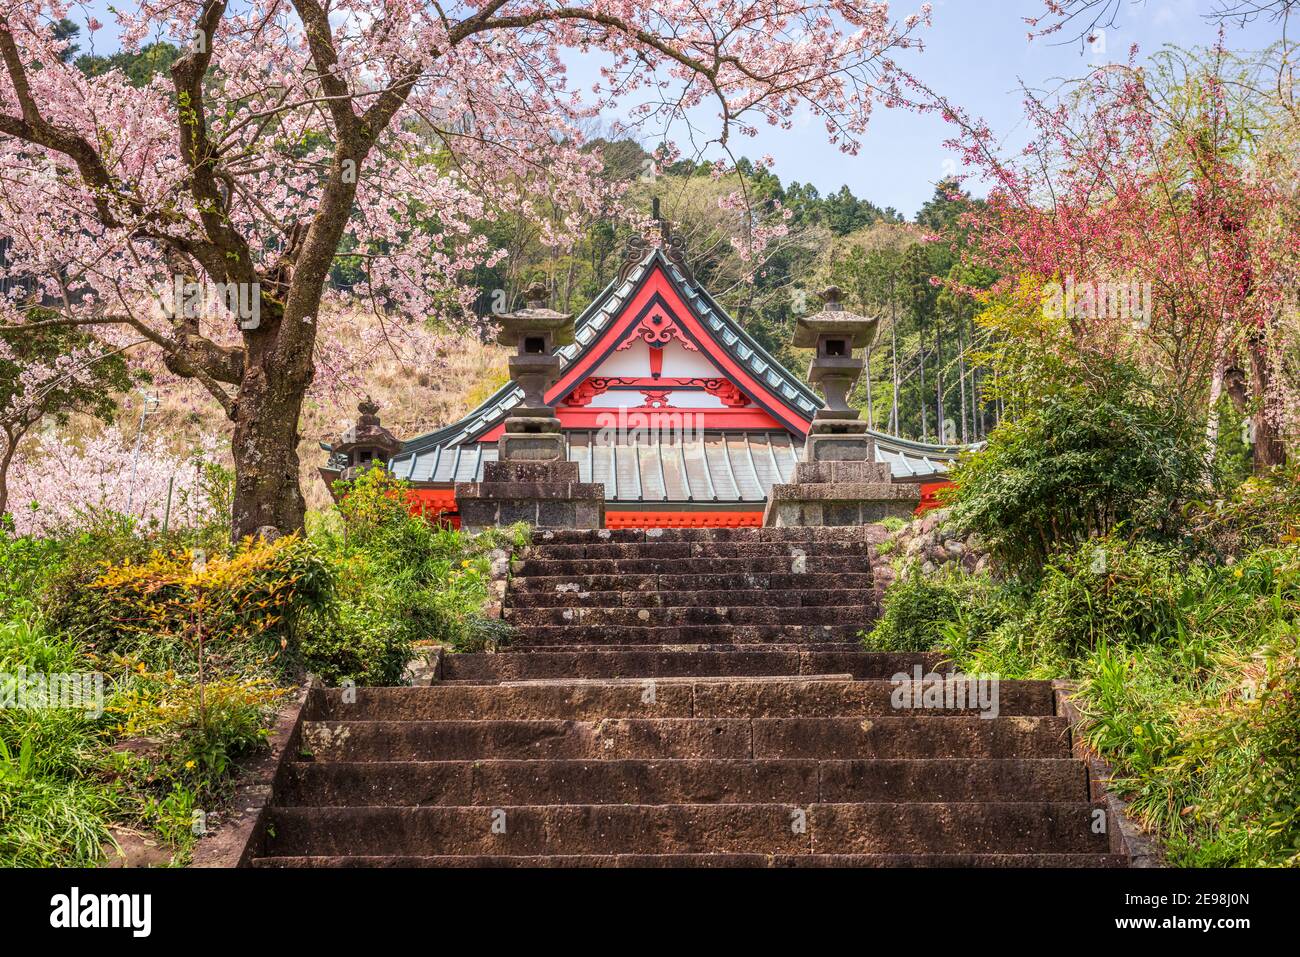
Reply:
x=416, y=394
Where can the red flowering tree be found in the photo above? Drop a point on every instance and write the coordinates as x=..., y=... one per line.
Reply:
x=1159, y=234
x=204, y=210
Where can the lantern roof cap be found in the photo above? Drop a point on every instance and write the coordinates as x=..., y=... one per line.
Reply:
x=834, y=320
x=367, y=432
x=536, y=318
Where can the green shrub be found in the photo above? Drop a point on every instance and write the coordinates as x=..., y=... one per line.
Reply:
x=246, y=605
x=1188, y=680
x=362, y=637
x=1263, y=510
x=1111, y=590
x=1241, y=753
x=927, y=613
x=199, y=729
x=1100, y=450
x=401, y=580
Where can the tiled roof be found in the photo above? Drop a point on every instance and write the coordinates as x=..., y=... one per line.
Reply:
x=593, y=321
x=724, y=467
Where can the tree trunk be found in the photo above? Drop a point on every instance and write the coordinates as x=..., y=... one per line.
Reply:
x=940, y=422
x=871, y=408
x=961, y=380
x=893, y=358
x=265, y=448
x=924, y=400
x=1269, y=451
x=11, y=445
x=1216, y=390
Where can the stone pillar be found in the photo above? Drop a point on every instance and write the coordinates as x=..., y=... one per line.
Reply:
x=532, y=480
x=838, y=481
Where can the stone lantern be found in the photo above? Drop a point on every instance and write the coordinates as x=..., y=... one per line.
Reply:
x=366, y=442
x=532, y=479
x=838, y=482
x=532, y=433
x=838, y=432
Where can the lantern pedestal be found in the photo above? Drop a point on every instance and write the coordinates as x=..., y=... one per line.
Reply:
x=545, y=495
x=838, y=482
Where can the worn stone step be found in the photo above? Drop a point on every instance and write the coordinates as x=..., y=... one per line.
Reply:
x=738, y=535
x=814, y=580
x=793, y=564
x=595, y=635
x=626, y=738
x=503, y=782
x=778, y=829
x=683, y=615
x=853, y=645
x=961, y=861
x=685, y=698
x=678, y=550
x=734, y=598
x=665, y=661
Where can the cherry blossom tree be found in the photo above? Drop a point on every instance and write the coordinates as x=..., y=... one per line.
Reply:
x=63, y=482
x=205, y=212
x=1083, y=19
x=44, y=377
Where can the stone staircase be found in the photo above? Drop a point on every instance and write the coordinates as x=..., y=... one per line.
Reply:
x=685, y=698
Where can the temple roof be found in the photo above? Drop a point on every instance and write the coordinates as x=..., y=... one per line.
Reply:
x=727, y=466
x=603, y=310
x=722, y=467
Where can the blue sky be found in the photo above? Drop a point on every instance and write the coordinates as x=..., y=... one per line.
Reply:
x=977, y=54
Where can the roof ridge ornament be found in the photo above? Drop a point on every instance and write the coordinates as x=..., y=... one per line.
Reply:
x=639, y=247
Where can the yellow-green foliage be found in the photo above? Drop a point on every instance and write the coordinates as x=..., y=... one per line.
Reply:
x=196, y=729
x=245, y=604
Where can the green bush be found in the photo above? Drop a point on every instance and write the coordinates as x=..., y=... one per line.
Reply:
x=362, y=636
x=401, y=580
x=1263, y=510
x=1188, y=679
x=1099, y=451
x=1110, y=589
x=247, y=605
x=199, y=729
x=926, y=613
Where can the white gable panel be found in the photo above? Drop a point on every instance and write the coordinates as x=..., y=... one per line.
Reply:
x=634, y=362
x=678, y=398
x=681, y=364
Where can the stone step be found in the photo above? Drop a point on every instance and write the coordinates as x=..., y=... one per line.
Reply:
x=629, y=738
x=680, y=615
x=854, y=646
x=1029, y=828
x=641, y=861
x=623, y=536
x=683, y=698
x=679, y=550
x=815, y=579
x=733, y=598
x=792, y=564
x=596, y=635
x=499, y=783
x=671, y=662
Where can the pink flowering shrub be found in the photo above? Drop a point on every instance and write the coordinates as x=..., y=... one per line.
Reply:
x=60, y=483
